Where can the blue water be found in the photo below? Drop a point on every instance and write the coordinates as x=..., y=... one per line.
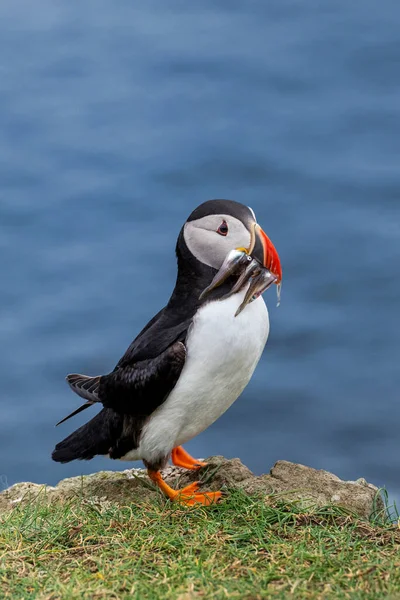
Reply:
x=116, y=120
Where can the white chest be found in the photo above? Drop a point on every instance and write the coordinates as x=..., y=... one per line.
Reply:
x=222, y=353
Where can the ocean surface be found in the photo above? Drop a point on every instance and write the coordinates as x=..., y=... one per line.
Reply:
x=116, y=120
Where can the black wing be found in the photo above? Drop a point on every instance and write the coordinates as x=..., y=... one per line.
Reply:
x=135, y=389
x=140, y=388
x=147, y=359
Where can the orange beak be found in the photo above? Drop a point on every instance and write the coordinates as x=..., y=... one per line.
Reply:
x=265, y=252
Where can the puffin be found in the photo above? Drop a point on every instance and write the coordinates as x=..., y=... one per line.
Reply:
x=189, y=363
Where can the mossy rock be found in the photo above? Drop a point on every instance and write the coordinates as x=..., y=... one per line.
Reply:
x=288, y=480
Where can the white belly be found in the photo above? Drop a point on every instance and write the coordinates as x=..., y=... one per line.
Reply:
x=222, y=353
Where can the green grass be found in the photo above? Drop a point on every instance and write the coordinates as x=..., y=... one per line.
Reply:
x=244, y=548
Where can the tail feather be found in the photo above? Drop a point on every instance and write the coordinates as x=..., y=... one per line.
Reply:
x=86, y=387
x=75, y=412
x=95, y=437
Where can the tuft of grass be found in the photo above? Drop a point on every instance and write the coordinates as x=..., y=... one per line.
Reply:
x=246, y=548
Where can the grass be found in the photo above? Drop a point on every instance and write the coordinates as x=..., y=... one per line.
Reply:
x=244, y=548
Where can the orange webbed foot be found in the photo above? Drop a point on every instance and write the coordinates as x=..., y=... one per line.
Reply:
x=188, y=496
x=181, y=458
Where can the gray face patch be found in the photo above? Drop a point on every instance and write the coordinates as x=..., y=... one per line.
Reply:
x=208, y=246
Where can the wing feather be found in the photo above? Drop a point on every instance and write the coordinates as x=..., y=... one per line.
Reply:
x=136, y=389
x=140, y=388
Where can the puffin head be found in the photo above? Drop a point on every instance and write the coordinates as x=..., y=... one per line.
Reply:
x=218, y=226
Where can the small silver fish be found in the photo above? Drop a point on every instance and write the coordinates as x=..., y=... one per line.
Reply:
x=248, y=269
x=234, y=261
x=257, y=286
x=254, y=268
x=278, y=293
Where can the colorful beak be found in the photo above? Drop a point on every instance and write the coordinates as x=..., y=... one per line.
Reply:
x=263, y=250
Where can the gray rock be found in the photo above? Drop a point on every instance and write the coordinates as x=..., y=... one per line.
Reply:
x=288, y=480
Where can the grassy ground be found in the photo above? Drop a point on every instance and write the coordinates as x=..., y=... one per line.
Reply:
x=244, y=548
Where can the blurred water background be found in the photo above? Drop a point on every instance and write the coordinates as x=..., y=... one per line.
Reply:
x=116, y=120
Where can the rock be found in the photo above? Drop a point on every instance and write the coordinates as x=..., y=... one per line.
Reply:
x=291, y=481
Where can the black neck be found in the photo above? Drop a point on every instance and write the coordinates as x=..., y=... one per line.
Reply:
x=193, y=277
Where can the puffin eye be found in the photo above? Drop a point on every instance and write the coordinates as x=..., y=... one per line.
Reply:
x=223, y=228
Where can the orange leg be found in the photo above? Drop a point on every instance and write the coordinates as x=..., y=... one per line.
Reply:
x=181, y=458
x=186, y=495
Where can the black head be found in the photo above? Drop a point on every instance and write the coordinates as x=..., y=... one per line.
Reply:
x=214, y=228
x=218, y=226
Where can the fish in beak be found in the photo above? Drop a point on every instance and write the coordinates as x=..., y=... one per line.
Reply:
x=259, y=264
x=233, y=263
